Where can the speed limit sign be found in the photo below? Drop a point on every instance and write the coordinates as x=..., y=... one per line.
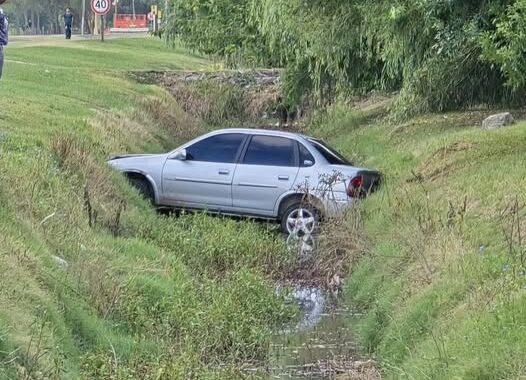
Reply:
x=101, y=7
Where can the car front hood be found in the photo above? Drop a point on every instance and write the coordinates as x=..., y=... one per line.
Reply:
x=119, y=156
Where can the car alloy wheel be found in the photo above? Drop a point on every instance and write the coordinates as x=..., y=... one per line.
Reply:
x=301, y=221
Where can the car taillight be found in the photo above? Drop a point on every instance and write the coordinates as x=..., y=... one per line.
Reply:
x=355, y=186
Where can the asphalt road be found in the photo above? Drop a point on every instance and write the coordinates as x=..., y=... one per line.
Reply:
x=35, y=39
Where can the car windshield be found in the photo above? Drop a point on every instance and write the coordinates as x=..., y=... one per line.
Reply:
x=330, y=154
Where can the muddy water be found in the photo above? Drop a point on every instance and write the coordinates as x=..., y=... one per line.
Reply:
x=320, y=345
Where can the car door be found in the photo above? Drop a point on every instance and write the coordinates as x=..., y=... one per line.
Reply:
x=267, y=170
x=204, y=178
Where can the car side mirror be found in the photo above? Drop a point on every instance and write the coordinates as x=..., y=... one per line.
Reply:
x=307, y=163
x=180, y=155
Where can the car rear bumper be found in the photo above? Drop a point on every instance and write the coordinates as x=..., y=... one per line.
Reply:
x=337, y=204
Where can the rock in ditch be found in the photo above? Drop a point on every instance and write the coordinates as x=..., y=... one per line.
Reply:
x=498, y=121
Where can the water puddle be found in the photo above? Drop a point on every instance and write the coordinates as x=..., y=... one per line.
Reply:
x=305, y=245
x=320, y=346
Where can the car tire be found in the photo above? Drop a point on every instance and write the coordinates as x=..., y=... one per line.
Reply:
x=144, y=188
x=300, y=219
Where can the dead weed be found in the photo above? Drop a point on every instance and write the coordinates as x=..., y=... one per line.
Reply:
x=102, y=199
x=340, y=244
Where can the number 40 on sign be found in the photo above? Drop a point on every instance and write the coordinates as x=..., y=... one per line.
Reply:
x=101, y=7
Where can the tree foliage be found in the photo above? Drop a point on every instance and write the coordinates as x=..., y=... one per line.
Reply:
x=45, y=16
x=506, y=45
x=441, y=54
x=33, y=16
x=218, y=27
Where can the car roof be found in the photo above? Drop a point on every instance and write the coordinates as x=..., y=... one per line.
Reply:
x=256, y=131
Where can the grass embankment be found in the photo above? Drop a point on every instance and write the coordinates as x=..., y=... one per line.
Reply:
x=443, y=281
x=142, y=296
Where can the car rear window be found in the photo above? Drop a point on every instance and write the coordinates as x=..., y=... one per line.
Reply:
x=329, y=153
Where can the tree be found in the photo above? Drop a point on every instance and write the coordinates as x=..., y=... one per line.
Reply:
x=46, y=16
x=440, y=54
x=220, y=27
x=505, y=46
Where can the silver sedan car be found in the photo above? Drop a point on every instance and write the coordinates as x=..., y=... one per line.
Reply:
x=288, y=177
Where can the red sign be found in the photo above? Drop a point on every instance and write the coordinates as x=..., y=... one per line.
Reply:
x=129, y=21
x=101, y=7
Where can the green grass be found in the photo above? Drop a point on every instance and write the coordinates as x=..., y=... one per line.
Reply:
x=146, y=296
x=55, y=87
x=442, y=289
x=143, y=295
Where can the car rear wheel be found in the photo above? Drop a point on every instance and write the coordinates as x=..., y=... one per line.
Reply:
x=300, y=219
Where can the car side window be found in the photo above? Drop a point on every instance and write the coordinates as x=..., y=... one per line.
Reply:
x=220, y=148
x=270, y=151
x=305, y=156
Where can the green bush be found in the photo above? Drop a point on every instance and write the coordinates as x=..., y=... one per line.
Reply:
x=442, y=55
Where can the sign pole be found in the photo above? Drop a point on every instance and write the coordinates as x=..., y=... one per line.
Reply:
x=116, y=13
x=83, y=17
x=101, y=28
x=101, y=8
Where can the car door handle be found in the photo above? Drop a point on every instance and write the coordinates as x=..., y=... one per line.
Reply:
x=283, y=177
x=224, y=171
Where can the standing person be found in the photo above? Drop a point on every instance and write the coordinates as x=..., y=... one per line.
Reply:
x=68, y=23
x=3, y=36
